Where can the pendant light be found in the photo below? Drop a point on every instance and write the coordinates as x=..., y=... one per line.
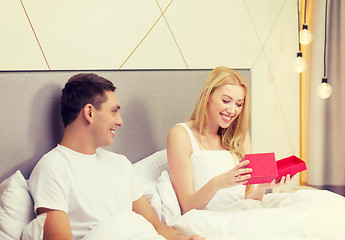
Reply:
x=324, y=89
x=299, y=64
x=305, y=35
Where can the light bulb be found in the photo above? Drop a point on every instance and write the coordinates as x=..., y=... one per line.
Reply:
x=305, y=36
x=300, y=63
x=324, y=89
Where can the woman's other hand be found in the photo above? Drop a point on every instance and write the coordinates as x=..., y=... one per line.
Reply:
x=276, y=183
x=236, y=176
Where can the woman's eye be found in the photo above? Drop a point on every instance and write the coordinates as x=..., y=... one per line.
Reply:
x=239, y=105
x=225, y=101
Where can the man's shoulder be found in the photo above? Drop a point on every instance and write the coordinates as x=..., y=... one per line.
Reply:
x=53, y=157
x=51, y=163
x=52, y=154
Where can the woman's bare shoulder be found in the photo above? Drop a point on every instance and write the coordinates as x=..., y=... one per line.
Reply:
x=178, y=137
x=180, y=129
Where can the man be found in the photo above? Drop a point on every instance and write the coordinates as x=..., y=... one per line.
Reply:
x=79, y=185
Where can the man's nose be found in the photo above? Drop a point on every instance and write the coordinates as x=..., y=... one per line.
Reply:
x=119, y=121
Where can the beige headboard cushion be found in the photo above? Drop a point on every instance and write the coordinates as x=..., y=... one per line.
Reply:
x=152, y=101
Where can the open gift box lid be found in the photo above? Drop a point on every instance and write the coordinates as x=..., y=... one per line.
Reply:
x=290, y=165
x=264, y=167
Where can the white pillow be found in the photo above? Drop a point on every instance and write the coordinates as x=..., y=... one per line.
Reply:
x=34, y=231
x=170, y=206
x=149, y=169
x=152, y=166
x=16, y=206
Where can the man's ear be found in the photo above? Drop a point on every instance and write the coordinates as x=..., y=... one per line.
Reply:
x=88, y=112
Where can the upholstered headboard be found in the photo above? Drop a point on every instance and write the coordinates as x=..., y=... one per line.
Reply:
x=152, y=101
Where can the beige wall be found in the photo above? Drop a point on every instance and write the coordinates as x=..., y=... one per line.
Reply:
x=82, y=34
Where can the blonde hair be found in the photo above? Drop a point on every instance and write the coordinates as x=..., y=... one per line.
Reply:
x=233, y=136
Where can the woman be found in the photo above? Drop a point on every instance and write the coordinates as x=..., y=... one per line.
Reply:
x=204, y=168
x=216, y=135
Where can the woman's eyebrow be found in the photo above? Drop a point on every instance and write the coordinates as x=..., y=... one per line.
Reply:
x=242, y=99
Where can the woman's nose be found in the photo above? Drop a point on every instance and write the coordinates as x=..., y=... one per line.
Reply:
x=231, y=110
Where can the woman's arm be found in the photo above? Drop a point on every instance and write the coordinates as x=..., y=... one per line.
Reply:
x=179, y=149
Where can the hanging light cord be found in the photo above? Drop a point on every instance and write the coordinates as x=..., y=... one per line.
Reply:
x=298, y=28
x=305, y=11
x=325, y=41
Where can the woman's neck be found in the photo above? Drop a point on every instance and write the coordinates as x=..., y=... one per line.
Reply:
x=210, y=140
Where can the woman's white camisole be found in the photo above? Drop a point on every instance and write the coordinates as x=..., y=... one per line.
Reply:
x=208, y=164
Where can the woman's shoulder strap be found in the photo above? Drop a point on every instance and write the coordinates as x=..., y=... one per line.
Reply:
x=191, y=137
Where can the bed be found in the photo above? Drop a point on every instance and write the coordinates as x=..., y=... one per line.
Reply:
x=30, y=124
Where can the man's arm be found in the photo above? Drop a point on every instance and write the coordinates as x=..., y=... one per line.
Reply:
x=142, y=207
x=56, y=226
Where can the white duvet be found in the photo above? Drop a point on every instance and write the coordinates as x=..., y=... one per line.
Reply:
x=124, y=226
x=305, y=214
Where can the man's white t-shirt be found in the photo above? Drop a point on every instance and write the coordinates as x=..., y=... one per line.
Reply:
x=89, y=188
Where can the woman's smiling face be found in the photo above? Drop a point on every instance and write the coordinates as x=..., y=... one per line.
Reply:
x=225, y=105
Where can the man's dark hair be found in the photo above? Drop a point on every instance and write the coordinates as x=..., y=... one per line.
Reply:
x=82, y=89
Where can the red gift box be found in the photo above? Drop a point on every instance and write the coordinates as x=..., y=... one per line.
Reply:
x=290, y=165
x=266, y=168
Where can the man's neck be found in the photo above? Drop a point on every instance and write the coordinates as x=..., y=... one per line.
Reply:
x=77, y=141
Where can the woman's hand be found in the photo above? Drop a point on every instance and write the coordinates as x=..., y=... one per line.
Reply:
x=257, y=192
x=283, y=181
x=236, y=176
